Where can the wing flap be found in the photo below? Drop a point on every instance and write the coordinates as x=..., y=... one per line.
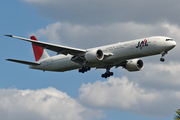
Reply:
x=23, y=62
x=53, y=47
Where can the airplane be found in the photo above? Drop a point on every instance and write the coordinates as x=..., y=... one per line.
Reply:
x=122, y=54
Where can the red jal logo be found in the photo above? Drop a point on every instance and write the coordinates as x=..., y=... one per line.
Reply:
x=142, y=44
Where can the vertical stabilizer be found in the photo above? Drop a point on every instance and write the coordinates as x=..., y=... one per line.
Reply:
x=39, y=52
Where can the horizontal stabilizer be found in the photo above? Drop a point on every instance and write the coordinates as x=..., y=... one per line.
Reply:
x=23, y=62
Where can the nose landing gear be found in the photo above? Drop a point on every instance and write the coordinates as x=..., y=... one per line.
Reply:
x=163, y=54
x=162, y=59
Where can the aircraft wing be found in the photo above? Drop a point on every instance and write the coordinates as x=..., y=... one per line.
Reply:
x=53, y=47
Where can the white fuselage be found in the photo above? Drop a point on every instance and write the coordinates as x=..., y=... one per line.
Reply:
x=120, y=51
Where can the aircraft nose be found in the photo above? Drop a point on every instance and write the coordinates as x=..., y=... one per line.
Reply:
x=171, y=44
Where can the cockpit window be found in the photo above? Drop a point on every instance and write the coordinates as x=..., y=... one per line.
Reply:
x=169, y=39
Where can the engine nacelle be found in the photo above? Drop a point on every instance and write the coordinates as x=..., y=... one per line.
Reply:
x=94, y=55
x=134, y=65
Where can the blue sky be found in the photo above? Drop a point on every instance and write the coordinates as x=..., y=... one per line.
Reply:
x=141, y=95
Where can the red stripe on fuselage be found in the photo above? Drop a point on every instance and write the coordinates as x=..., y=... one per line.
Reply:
x=38, y=51
x=143, y=43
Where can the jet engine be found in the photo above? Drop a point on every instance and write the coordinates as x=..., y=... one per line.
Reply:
x=134, y=65
x=94, y=55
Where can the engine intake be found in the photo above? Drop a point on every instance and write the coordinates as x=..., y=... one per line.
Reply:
x=94, y=55
x=134, y=65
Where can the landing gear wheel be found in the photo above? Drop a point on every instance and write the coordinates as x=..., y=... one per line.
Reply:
x=102, y=76
x=107, y=74
x=162, y=59
x=111, y=73
x=80, y=70
x=84, y=69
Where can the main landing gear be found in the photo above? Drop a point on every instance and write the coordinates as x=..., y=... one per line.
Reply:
x=107, y=73
x=163, y=54
x=84, y=69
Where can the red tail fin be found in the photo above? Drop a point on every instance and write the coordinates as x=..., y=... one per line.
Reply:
x=38, y=51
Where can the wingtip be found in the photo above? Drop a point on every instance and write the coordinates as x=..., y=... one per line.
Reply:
x=8, y=59
x=9, y=35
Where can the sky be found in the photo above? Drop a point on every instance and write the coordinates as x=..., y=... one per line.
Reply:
x=152, y=93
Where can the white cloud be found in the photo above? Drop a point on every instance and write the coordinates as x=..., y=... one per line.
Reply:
x=42, y=104
x=120, y=93
x=173, y=30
